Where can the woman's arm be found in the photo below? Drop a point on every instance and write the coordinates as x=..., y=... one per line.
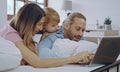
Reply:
x=37, y=62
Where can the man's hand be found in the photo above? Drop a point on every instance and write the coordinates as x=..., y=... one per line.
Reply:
x=84, y=57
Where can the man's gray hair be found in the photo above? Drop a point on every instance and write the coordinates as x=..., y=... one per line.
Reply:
x=71, y=17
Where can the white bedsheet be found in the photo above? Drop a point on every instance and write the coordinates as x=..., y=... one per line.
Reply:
x=66, y=68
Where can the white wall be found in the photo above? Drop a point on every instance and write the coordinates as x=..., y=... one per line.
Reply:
x=57, y=5
x=3, y=12
x=93, y=10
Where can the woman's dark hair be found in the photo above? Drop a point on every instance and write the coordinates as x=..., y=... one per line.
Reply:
x=25, y=22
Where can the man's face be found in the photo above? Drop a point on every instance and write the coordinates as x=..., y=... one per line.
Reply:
x=76, y=29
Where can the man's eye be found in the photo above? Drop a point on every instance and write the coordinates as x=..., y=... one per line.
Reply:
x=78, y=29
x=53, y=25
x=83, y=30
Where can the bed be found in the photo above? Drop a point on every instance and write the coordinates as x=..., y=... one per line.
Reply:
x=23, y=68
x=66, y=68
x=115, y=67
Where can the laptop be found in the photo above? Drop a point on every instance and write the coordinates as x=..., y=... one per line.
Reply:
x=107, y=52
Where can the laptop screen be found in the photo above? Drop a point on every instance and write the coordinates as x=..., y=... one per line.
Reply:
x=108, y=51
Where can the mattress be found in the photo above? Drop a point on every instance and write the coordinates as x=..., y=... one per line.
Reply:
x=66, y=68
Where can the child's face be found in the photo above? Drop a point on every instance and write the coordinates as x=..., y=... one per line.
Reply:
x=51, y=27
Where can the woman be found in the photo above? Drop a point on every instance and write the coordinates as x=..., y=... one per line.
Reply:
x=28, y=21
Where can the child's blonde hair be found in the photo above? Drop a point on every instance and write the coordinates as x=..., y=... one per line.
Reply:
x=51, y=15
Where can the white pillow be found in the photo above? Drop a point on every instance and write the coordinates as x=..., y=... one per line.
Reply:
x=37, y=37
x=84, y=45
x=10, y=56
x=66, y=47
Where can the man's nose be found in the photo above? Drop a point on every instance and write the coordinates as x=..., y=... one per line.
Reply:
x=80, y=33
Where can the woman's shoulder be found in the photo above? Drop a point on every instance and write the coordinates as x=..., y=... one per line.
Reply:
x=7, y=28
x=10, y=33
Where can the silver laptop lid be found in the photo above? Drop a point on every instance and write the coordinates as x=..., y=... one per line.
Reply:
x=107, y=52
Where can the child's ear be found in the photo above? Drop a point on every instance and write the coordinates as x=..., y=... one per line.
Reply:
x=66, y=26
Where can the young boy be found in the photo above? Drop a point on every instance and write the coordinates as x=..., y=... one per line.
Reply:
x=52, y=20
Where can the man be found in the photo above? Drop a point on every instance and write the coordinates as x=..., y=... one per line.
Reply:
x=73, y=29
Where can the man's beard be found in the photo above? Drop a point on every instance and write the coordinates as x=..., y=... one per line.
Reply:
x=72, y=36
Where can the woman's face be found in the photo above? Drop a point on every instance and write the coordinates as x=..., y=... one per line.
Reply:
x=39, y=25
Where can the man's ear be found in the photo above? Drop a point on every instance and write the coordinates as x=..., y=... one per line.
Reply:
x=66, y=26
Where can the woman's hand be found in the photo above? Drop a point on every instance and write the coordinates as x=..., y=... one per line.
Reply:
x=83, y=57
